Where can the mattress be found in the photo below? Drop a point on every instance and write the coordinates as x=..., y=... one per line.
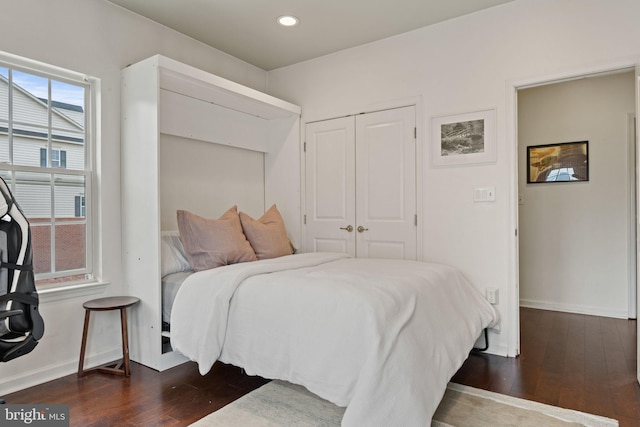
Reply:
x=170, y=285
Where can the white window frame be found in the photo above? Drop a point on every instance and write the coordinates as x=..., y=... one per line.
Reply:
x=91, y=271
x=55, y=162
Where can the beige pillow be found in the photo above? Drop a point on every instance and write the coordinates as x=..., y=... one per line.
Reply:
x=267, y=235
x=210, y=243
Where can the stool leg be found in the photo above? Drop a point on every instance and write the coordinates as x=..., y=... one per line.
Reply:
x=84, y=342
x=125, y=342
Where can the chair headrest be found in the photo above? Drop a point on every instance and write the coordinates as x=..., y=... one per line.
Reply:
x=6, y=200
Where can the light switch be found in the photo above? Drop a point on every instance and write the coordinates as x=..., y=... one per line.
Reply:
x=484, y=194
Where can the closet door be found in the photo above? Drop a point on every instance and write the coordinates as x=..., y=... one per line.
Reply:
x=386, y=184
x=330, y=186
x=361, y=185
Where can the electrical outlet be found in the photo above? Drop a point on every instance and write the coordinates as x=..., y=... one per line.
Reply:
x=492, y=295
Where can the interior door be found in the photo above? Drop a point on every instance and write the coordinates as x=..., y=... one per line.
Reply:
x=330, y=186
x=386, y=184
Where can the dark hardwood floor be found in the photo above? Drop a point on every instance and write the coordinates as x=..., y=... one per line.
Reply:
x=586, y=363
x=175, y=397
x=574, y=361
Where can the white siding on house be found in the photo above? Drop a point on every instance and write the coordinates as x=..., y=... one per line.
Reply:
x=31, y=198
x=26, y=151
x=76, y=116
x=33, y=193
x=4, y=107
x=65, y=200
x=38, y=202
x=31, y=116
x=31, y=110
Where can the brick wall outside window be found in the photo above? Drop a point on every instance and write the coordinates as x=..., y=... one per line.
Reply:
x=70, y=245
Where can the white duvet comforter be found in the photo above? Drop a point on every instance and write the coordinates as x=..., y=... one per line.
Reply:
x=381, y=337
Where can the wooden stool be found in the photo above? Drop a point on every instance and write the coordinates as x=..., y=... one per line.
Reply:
x=104, y=304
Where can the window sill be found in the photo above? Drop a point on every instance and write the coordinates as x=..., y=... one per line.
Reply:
x=51, y=294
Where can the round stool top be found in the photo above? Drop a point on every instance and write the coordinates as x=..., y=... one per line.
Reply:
x=110, y=303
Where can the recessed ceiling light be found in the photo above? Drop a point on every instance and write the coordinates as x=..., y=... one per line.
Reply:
x=288, y=20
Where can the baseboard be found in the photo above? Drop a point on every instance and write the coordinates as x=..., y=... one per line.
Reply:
x=577, y=309
x=497, y=350
x=53, y=372
x=496, y=346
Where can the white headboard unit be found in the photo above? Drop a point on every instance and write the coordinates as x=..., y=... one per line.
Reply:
x=193, y=140
x=208, y=179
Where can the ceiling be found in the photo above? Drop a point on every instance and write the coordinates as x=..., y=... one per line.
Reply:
x=247, y=29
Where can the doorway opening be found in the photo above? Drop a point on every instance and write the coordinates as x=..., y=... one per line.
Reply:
x=575, y=252
x=571, y=235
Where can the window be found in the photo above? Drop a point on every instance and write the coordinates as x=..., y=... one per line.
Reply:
x=46, y=142
x=79, y=206
x=58, y=158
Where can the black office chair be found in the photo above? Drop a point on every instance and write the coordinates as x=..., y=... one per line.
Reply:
x=21, y=325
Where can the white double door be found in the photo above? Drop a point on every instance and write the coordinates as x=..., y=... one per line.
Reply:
x=360, y=187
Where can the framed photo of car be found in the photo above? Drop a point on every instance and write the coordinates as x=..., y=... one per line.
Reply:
x=564, y=162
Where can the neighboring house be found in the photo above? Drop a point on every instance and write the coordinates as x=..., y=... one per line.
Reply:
x=30, y=134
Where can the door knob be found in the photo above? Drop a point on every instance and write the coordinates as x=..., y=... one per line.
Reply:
x=361, y=229
x=349, y=228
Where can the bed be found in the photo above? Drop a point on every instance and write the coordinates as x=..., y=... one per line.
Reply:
x=380, y=337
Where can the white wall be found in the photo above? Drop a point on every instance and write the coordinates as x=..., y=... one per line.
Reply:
x=574, y=237
x=210, y=171
x=99, y=39
x=466, y=64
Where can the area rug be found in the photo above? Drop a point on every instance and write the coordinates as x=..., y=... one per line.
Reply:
x=280, y=404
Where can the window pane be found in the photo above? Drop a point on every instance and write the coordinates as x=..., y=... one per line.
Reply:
x=30, y=118
x=70, y=246
x=70, y=231
x=41, y=245
x=4, y=114
x=67, y=189
x=27, y=185
x=33, y=193
x=68, y=124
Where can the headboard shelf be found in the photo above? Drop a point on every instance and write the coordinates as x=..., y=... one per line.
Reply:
x=198, y=84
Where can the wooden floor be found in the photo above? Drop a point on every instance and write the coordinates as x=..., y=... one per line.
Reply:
x=586, y=363
x=580, y=362
x=175, y=397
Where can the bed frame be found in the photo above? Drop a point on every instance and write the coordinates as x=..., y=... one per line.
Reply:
x=165, y=102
